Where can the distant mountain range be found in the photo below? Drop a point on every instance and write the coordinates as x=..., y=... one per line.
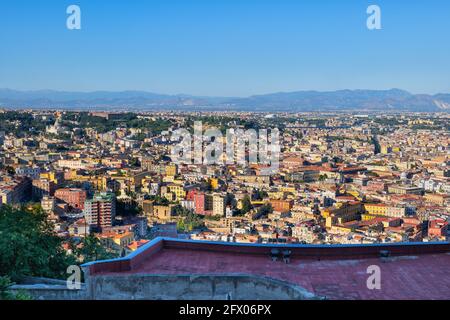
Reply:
x=348, y=100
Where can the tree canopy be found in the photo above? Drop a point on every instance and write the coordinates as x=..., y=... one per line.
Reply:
x=91, y=249
x=29, y=246
x=246, y=204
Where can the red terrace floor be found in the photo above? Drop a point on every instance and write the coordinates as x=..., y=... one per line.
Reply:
x=418, y=277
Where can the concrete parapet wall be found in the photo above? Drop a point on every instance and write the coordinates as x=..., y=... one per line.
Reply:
x=50, y=292
x=198, y=287
x=171, y=287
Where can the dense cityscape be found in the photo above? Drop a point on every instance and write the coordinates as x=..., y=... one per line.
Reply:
x=224, y=159
x=343, y=178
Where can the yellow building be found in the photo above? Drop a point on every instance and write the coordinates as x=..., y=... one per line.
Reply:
x=288, y=189
x=356, y=194
x=171, y=170
x=276, y=195
x=376, y=209
x=342, y=213
x=399, y=189
x=385, y=149
x=164, y=212
x=340, y=229
x=214, y=183
x=173, y=192
x=51, y=176
x=124, y=239
x=439, y=199
x=168, y=179
x=71, y=175
x=99, y=183
x=367, y=217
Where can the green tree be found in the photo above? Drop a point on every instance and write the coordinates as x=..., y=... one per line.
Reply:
x=6, y=294
x=189, y=222
x=246, y=205
x=91, y=249
x=134, y=162
x=193, y=221
x=159, y=201
x=181, y=226
x=181, y=211
x=259, y=195
x=29, y=246
x=128, y=208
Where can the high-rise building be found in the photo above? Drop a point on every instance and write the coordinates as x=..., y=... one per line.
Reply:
x=100, y=211
x=208, y=204
x=199, y=202
x=218, y=205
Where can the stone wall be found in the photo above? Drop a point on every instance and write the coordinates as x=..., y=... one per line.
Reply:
x=50, y=292
x=167, y=287
x=198, y=287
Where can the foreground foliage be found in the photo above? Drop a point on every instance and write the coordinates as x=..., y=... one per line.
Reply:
x=29, y=246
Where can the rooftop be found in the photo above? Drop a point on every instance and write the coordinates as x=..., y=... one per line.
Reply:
x=413, y=271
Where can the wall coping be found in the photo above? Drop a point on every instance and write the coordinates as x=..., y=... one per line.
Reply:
x=420, y=248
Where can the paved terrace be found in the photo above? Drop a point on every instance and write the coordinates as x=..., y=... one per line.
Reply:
x=413, y=270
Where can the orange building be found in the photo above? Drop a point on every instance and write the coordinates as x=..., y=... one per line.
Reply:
x=72, y=197
x=282, y=206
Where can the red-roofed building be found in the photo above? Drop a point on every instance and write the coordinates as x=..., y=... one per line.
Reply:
x=438, y=228
x=137, y=244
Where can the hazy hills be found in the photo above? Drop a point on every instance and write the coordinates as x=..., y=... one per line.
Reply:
x=358, y=100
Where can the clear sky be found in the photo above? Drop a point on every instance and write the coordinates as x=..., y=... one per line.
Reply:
x=225, y=47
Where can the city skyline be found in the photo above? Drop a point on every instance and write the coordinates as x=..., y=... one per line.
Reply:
x=365, y=196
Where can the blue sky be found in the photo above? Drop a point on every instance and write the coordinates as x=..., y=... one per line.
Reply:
x=225, y=47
